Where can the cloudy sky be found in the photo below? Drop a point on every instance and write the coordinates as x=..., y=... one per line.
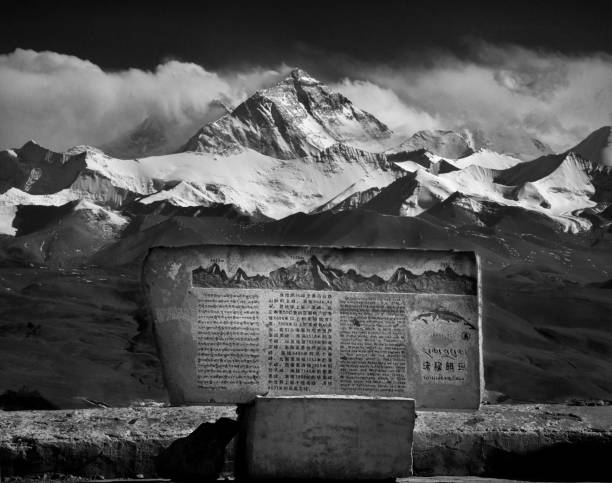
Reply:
x=73, y=74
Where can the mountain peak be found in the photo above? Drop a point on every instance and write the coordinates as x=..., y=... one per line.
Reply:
x=315, y=262
x=302, y=77
x=295, y=118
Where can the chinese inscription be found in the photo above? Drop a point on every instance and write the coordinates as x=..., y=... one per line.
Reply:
x=299, y=331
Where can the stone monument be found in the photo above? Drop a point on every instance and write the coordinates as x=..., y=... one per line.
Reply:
x=236, y=322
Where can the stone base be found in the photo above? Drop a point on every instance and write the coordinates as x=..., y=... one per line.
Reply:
x=326, y=437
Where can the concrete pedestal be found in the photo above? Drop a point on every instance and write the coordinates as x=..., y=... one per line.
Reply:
x=326, y=437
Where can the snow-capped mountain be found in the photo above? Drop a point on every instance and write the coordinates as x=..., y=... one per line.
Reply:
x=568, y=188
x=35, y=176
x=251, y=182
x=298, y=117
x=299, y=147
x=334, y=177
x=560, y=187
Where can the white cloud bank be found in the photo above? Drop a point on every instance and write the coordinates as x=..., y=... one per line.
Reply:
x=556, y=98
x=61, y=100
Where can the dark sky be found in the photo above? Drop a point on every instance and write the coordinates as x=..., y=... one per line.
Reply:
x=226, y=33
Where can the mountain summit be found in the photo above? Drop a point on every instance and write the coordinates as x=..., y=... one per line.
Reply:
x=297, y=117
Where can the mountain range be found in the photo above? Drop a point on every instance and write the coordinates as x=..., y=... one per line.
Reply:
x=311, y=274
x=297, y=163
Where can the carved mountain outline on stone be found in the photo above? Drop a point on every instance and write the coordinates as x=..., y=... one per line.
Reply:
x=311, y=274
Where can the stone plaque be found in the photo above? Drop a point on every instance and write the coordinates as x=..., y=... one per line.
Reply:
x=235, y=322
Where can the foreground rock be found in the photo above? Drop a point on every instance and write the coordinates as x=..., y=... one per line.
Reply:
x=545, y=442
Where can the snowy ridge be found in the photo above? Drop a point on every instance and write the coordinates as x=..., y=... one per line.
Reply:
x=258, y=183
x=557, y=187
x=253, y=182
x=122, y=173
x=487, y=159
x=183, y=194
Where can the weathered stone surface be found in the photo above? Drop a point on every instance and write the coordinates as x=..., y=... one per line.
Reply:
x=531, y=442
x=200, y=455
x=236, y=322
x=326, y=437
x=123, y=442
x=118, y=442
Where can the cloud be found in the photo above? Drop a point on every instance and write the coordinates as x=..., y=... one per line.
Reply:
x=61, y=100
x=388, y=107
x=513, y=92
